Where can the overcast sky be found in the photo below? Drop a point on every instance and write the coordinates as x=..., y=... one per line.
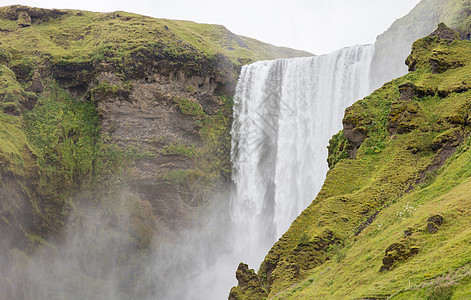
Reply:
x=317, y=26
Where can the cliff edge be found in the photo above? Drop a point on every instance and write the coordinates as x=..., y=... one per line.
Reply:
x=391, y=220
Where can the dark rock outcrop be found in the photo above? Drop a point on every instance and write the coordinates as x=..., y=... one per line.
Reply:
x=354, y=129
x=396, y=253
x=434, y=223
x=366, y=223
x=445, y=33
x=402, y=117
x=448, y=140
x=36, y=83
x=407, y=90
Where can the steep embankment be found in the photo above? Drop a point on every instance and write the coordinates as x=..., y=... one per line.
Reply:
x=105, y=108
x=392, y=218
x=394, y=45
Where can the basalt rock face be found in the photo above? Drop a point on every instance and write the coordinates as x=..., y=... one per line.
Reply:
x=147, y=117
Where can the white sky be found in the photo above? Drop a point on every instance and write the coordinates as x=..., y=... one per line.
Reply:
x=317, y=26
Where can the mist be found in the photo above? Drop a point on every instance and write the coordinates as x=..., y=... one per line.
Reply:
x=100, y=256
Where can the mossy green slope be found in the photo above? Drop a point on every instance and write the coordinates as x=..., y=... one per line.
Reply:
x=392, y=222
x=84, y=36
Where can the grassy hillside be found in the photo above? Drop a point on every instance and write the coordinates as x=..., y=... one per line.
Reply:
x=392, y=218
x=81, y=35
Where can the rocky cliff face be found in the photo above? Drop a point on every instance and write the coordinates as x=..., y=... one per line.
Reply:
x=161, y=116
x=394, y=45
x=103, y=107
x=385, y=223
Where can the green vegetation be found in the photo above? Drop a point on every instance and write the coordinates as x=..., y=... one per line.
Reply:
x=381, y=202
x=189, y=107
x=51, y=142
x=64, y=76
x=338, y=149
x=178, y=149
x=125, y=40
x=211, y=160
x=65, y=133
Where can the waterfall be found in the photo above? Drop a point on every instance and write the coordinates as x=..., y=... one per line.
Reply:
x=285, y=112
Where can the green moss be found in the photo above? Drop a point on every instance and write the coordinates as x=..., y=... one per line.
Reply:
x=106, y=88
x=251, y=287
x=396, y=182
x=178, y=149
x=12, y=94
x=338, y=149
x=15, y=151
x=189, y=107
x=65, y=133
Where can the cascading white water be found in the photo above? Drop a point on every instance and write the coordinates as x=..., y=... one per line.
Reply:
x=285, y=112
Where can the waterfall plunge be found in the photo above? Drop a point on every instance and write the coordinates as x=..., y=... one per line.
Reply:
x=285, y=112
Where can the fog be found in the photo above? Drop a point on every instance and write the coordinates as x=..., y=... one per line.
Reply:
x=99, y=257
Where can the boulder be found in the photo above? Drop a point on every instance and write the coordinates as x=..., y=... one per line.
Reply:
x=434, y=223
x=396, y=253
x=446, y=33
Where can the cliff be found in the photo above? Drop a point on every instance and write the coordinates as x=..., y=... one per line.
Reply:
x=391, y=220
x=111, y=111
x=394, y=45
